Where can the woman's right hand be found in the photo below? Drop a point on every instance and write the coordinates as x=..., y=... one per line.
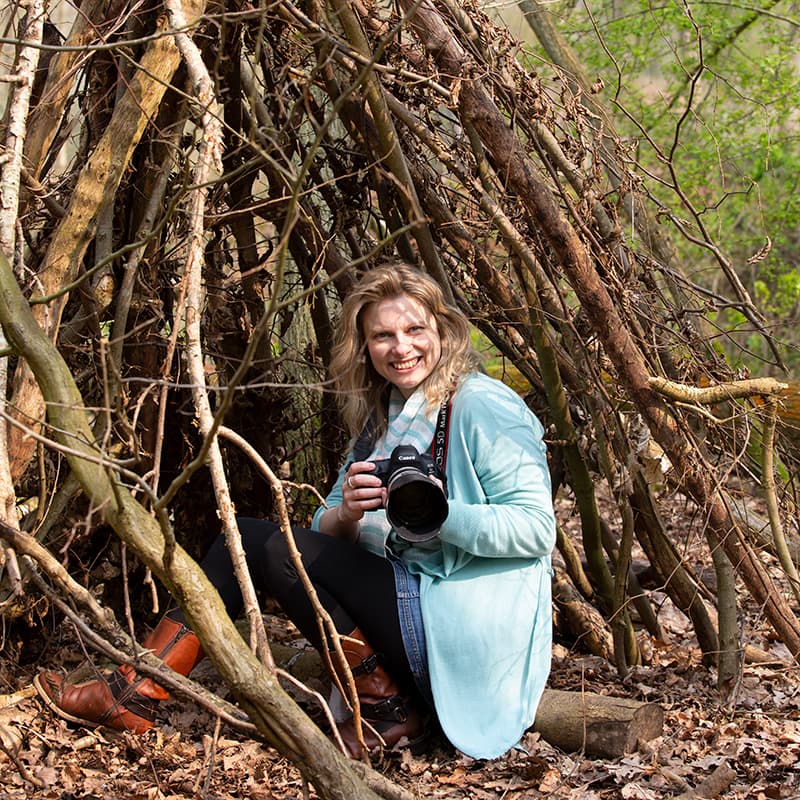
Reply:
x=361, y=492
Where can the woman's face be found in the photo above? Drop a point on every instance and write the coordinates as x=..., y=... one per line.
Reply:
x=402, y=340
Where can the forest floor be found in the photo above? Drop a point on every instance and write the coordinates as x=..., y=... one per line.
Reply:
x=757, y=739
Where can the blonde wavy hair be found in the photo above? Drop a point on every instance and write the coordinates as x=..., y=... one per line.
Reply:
x=361, y=390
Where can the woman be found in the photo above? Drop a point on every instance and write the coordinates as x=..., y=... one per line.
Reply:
x=457, y=623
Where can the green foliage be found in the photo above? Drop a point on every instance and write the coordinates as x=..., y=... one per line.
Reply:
x=713, y=89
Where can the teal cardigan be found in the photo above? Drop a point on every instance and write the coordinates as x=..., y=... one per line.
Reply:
x=485, y=581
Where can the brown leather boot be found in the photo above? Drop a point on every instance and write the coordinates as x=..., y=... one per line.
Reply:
x=123, y=701
x=393, y=716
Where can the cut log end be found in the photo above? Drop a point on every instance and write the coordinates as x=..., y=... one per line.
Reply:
x=606, y=727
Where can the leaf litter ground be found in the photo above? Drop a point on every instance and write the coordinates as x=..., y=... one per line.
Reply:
x=185, y=756
x=182, y=758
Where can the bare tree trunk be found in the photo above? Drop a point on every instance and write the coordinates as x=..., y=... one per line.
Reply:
x=46, y=117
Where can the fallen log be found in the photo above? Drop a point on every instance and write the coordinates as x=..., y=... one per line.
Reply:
x=598, y=725
x=595, y=724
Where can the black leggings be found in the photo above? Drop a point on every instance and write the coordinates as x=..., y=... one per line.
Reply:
x=355, y=587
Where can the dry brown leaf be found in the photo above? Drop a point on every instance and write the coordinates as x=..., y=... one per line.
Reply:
x=550, y=782
x=456, y=778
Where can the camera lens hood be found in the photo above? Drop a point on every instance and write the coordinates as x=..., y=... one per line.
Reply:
x=416, y=506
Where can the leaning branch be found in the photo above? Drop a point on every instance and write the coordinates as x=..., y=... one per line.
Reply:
x=208, y=159
x=708, y=395
x=771, y=495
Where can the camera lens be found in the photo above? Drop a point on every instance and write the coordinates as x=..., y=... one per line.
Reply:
x=416, y=506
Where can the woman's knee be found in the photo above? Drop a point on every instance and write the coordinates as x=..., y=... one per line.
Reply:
x=270, y=558
x=264, y=548
x=281, y=571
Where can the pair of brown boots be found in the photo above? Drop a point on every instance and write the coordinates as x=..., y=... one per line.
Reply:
x=125, y=701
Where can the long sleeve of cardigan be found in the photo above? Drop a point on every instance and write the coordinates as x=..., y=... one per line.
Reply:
x=501, y=503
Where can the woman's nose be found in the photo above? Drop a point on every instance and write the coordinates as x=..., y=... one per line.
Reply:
x=402, y=343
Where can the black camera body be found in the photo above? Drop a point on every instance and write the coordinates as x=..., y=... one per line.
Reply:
x=404, y=456
x=416, y=505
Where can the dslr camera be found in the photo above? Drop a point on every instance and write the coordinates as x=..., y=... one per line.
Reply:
x=416, y=506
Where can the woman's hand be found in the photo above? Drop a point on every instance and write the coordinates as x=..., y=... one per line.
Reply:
x=361, y=492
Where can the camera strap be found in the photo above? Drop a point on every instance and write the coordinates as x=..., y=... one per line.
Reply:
x=366, y=440
x=440, y=440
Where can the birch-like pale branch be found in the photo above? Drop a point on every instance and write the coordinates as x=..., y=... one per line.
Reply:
x=209, y=158
x=30, y=35
x=708, y=395
x=771, y=496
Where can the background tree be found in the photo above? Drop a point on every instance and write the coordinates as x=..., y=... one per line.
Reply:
x=193, y=192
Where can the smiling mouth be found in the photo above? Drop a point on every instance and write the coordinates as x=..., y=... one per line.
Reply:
x=404, y=366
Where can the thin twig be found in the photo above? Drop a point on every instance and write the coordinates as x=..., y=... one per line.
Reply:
x=19, y=763
x=771, y=497
x=326, y=624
